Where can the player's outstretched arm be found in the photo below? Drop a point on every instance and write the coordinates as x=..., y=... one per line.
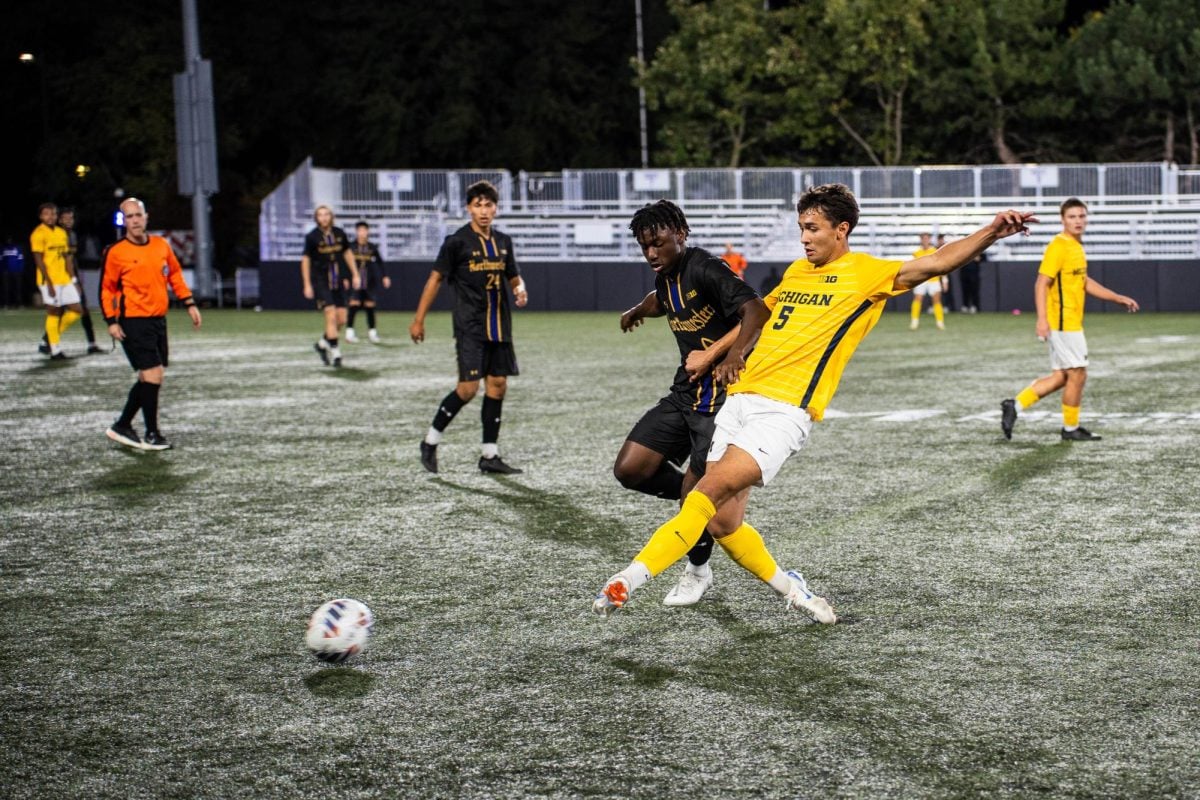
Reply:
x=754, y=315
x=1100, y=292
x=649, y=307
x=955, y=254
x=417, y=329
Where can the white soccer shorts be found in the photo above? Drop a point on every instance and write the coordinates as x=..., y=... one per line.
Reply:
x=65, y=294
x=1068, y=350
x=770, y=431
x=927, y=288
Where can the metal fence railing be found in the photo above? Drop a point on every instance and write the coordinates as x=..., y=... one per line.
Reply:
x=581, y=214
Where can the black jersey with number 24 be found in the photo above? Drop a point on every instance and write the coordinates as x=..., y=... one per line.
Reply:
x=701, y=299
x=478, y=268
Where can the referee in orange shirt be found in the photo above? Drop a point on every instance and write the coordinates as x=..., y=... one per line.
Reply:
x=133, y=298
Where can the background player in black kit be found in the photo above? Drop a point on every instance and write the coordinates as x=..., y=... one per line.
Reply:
x=327, y=257
x=373, y=274
x=704, y=302
x=476, y=260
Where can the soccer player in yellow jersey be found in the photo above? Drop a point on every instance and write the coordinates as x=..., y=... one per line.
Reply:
x=1059, y=293
x=55, y=276
x=823, y=307
x=931, y=288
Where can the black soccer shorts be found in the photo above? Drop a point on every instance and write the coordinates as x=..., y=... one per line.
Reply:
x=678, y=433
x=145, y=342
x=478, y=358
x=326, y=296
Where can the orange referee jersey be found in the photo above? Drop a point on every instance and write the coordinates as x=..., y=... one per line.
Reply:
x=133, y=281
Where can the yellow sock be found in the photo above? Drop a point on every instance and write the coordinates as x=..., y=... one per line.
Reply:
x=52, y=329
x=69, y=318
x=746, y=547
x=672, y=541
x=915, y=310
x=1070, y=417
x=1026, y=398
x=939, y=313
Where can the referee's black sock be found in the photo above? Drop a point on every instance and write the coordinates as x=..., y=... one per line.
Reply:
x=667, y=483
x=150, y=405
x=371, y=317
x=448, y=410
x=350, y=315
x=491, y=419
x=132, y=406
x=88, y=330
x=702, y=551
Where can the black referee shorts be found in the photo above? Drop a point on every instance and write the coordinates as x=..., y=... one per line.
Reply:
x=478, y=358
x=145, y=342
x=678, y=433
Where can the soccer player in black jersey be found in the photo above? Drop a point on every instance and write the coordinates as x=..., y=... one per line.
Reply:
x=476, y=260
x=703, y=301
x=327, y=257
x=373, y=274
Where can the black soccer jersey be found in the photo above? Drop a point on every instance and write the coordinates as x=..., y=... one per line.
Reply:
x=371, y=268
x=479, y=268
x=701, y=299
x=325, y=250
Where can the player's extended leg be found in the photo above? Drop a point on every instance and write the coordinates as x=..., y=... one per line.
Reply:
x=1072, y=399
x=495, y=387
x=53, y=329
x=1012, y=407
x=151, y=382
x=447, y=410
x=697, y=575
x=645, y=470
x=939, y=312
x=914, y=312
x=372, y=333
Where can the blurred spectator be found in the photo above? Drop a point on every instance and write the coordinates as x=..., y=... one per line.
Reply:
x=735, y=260
x=13, y=267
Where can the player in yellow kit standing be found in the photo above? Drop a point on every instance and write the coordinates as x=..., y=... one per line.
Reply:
x=823, y=307
x=1059, y=293
x=931, y=288
x=50, y=244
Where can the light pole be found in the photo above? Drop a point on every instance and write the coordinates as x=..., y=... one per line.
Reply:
x=641, y=60
x=31, y=60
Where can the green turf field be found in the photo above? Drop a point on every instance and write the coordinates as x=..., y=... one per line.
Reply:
x=1018, y=618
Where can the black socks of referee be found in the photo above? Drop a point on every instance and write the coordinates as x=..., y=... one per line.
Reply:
x=143, y=396
x=448, y=410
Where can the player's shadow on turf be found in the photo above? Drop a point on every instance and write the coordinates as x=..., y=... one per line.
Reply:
x=1032, y=463
x=354, y=374
x=141, y=479
x=339, y=682
x=554, y=516
x=48, y=365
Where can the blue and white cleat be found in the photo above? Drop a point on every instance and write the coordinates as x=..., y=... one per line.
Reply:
x=614, y=595
x=801, y=599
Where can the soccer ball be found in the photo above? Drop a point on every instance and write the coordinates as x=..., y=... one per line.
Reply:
x=338, y=630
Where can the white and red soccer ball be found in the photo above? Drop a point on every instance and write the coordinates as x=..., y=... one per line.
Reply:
x=338, y=630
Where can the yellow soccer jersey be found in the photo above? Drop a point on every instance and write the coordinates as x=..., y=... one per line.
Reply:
x=52, y=244
x=818, y=317
x=1066, y=264
x=928, y=251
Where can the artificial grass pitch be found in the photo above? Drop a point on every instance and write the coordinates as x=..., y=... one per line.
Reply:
x=1018, y=617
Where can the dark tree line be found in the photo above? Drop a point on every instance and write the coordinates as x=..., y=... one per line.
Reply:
x=547, y=85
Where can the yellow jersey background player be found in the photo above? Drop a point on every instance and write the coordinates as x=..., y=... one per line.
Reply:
x=931, y=288
x=823, y=307
x=55, y=276
x=1059, y=293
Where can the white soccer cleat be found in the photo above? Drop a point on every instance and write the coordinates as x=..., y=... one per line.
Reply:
x=351, y=336
x=373, y=335
x=614, y=595
x=691, y=587
x=801, y=599
x=916, y=323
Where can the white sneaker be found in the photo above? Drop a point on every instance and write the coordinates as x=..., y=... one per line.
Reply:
x=941, y=326
x=801, y=599
x=351, y=336
x=373, y=335
x=916, y=323
x=691, y=587
x=614, y=595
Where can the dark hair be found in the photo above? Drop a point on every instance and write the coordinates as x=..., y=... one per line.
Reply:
x=482, y=189
x=66, y=210
x=362, y=223
x=834, y=200
x=44, y=206
x=663, y=214
x=1069, y=203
